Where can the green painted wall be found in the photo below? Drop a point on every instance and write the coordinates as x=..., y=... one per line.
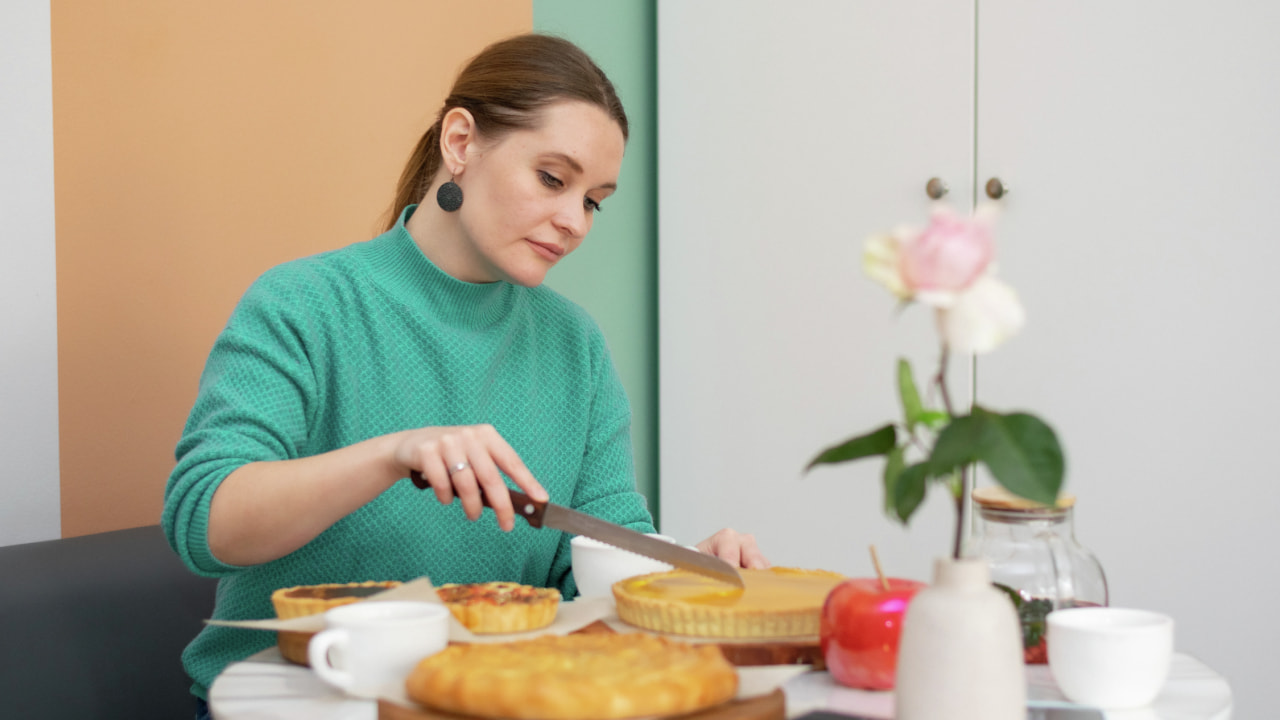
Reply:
x=614, y=274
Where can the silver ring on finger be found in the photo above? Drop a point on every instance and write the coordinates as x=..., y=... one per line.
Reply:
x=459, y=467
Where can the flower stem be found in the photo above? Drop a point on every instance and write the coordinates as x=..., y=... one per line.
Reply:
x=941, y=380
x=962, y=500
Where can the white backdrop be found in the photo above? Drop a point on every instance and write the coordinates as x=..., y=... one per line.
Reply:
x=29, y=497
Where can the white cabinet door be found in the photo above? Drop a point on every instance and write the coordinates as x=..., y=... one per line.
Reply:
x=1140, y=140
x=788, y=133
x=1142, y=144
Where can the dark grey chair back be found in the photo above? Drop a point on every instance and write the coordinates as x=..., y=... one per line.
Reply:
x=93, y=627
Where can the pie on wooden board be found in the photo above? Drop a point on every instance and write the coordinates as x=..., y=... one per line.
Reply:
x=574, y=677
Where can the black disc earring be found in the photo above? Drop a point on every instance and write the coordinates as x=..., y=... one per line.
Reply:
x=449, y=196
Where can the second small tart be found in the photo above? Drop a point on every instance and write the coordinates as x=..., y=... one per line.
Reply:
x=500, y=607
x=775, y=603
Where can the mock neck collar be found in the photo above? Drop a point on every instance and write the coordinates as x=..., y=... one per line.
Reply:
x=404, y=269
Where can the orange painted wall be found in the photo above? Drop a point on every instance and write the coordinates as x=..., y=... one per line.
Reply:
x=196, y=145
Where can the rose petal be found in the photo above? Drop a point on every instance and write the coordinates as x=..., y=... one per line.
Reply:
x=982, y=317
x=881, y=261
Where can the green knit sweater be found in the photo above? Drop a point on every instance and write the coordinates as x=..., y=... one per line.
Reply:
x=329, y=350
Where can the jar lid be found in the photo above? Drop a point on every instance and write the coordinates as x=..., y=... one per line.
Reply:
x=995, y=496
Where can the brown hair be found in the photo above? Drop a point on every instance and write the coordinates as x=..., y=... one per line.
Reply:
x=504, y=88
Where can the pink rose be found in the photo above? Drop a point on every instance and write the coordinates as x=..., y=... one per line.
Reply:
x=946, y=257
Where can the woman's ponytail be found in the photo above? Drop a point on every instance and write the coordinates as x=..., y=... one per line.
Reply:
x=418, y=173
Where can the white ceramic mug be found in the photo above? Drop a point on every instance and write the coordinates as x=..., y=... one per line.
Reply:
x=377, y=643
x=1111, y=658
x=597, y=566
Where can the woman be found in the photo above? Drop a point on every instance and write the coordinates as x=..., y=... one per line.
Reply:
x=431, y=348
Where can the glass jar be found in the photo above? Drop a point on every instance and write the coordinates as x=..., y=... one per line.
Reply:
x=1034, y=557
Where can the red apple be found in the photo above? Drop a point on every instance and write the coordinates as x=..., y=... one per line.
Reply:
x=861, y=622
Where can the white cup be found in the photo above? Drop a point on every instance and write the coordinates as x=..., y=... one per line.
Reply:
x=1110, y=658
x=597, y=566
x=377, y=643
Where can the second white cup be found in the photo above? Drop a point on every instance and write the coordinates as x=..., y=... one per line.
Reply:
x=1110, y=658
x=377, y=643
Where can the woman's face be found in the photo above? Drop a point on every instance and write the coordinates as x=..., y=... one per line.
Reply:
x=530, y=197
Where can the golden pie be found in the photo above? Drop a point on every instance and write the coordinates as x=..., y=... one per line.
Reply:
x=574, y=677
x=500, y=607
x=774, y=603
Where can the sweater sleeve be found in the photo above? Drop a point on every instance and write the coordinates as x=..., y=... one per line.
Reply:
x=606, y=486
x=255, y=398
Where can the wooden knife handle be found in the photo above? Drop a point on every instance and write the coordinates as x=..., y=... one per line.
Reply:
x=525, y=506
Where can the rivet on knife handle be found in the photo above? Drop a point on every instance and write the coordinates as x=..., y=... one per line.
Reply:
x=525, y=506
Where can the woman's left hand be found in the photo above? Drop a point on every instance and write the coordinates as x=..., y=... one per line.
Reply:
x=737, y=549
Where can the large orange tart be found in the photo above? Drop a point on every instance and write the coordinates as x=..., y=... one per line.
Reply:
x=775, y=603
x=574, y=677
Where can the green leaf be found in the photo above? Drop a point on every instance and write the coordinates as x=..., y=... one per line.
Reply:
x=957, y=445
x=892, y=469
x=908, y=492
x=1020, y=450
x=955, y=484
x=1031, y=615
x=911, y=407
x=876, y=442
x=934, y=419
x=1014, y=596
x=1022, y=453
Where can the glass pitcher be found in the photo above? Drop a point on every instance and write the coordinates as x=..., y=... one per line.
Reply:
x=1034, y=557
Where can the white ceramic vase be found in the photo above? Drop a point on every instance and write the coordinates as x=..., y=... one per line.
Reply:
x=960, y=654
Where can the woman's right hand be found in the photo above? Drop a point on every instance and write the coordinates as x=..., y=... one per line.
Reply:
x=463, y=462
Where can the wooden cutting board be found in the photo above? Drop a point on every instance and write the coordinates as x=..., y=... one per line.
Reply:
x=766, y=707
x=762, y=652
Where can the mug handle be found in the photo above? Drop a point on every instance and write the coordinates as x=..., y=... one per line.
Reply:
x=318, y=657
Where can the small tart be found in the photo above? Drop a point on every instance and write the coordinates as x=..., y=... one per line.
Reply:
x=574, y=677
x=500, y=607
x=303, y=600
x=775, y=603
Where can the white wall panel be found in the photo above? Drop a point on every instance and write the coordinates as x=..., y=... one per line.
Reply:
x=788, y=133
x=1140, y=139
x=29, y=495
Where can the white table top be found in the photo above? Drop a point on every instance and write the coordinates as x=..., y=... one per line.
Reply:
x=267, y=687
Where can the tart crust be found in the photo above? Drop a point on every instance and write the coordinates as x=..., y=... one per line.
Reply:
x=303, y=600
x=574, y=677
x=775, y=603
x=500, y=607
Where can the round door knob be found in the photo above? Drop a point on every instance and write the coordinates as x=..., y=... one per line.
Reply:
x=936, y=188
x=996, y=189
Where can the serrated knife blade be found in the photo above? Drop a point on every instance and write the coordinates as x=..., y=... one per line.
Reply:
x=546, y=514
